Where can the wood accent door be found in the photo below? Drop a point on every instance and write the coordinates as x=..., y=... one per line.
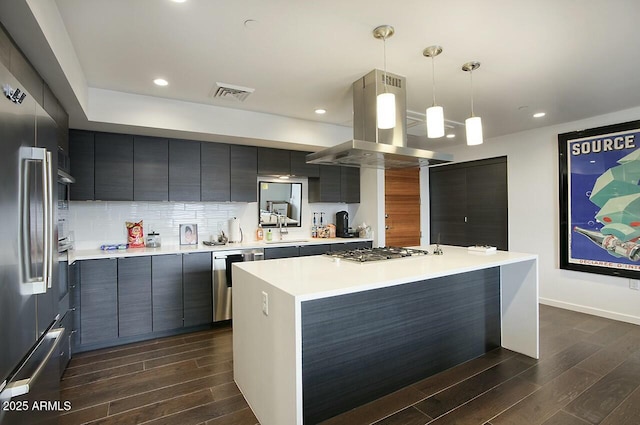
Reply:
x=402, y=207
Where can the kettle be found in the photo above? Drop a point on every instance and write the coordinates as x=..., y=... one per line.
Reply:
x=235, y=232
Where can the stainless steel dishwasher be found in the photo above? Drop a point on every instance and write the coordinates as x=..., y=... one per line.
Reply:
x=222, y=281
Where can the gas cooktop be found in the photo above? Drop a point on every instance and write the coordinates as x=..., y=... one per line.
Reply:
x=377, y=254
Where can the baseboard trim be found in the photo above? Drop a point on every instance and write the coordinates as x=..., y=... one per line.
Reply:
x=590, y=310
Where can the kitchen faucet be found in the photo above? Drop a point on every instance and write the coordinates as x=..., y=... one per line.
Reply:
x=280, y=218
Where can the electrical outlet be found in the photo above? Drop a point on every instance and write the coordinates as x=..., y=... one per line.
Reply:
x=634, y=284
x=265, y=303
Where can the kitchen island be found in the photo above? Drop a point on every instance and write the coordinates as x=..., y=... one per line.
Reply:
x=314, y=337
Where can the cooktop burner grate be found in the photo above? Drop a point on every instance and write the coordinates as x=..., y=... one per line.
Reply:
x=377, y=254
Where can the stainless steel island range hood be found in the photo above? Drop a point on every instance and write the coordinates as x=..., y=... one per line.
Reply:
x=373, y=147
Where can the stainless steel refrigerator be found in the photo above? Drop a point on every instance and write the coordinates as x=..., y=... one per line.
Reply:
x=29, y=338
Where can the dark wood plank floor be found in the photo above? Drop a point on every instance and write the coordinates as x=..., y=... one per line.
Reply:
x=588, y=373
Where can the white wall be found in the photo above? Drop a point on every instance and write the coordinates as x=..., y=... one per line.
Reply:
x=532, y=167
x=95, y=223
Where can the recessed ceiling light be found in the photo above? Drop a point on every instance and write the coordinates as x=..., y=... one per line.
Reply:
x=539, y=114
x=320, y=111
x=160, y=82
x=451, y=136
x=178, y=1
x=283, y=177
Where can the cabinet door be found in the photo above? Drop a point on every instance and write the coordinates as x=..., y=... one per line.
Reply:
x=134, y=296
x=326, y=188
x=350, y=184
x=184, y=170
x=299, y=166
x=244, y=173
x=197, y=286
x=98, y=301
x=150, y=169
x=81, y=156
x=114, y=167
x=347, y=246
x=306, y=250
x=274, y=162
x=166, y=289
x=214, y=172
x=281, y=252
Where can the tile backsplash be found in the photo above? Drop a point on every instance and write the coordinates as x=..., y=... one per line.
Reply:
x=97, y=223
x=94, y=223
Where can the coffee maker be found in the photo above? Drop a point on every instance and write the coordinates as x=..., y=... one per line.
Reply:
x=342, y=224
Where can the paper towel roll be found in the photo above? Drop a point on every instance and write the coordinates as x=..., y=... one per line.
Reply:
x=235, y=232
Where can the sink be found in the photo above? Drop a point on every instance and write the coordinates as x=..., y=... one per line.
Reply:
x=286, y=241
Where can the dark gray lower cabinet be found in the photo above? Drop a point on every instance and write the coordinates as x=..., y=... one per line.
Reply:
x=347, y=246
x=134, y=296
x=197, y=287
x=166, y=286
x=74, y=303
x=99, y=301
x=306, y=250
x=281, y=252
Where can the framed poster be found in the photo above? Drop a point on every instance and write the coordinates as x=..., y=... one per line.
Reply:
x=188, y=234
x=600, y=200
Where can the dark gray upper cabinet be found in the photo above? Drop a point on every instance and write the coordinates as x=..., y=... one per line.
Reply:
x=184, y=170
x=197, y=286
x=150, y=169
x=81, y=156
x=350, y=185
x=215, y=184
x=335, y=184
x=134, y=296
x=113, y=167
x=244, y=173
x=326, y=188
x=299, y=166
x=98, y=301
x=166, y=289
x=274, y=162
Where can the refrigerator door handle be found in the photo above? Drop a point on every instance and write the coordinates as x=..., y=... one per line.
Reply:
x=48, y=213
x=22, y=386
x=34, y=284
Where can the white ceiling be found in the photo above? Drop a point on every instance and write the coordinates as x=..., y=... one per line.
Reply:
x=572, y=59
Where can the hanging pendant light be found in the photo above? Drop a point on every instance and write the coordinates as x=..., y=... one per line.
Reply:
x=385, y=102
x=435, y=114
x=473, y=124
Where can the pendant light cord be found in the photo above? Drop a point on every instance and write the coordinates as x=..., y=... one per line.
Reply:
x=471, y=77
x=433, y=79
x=384, y=50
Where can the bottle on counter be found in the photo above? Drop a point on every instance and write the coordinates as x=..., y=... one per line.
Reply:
x=259, y=233
x=314, y=228
x=269, y=235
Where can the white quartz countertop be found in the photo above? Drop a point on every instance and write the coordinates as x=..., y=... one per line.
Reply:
x=93, y=254
x=322, y=276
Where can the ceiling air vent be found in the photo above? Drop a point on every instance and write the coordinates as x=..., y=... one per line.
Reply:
x=230, y=92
